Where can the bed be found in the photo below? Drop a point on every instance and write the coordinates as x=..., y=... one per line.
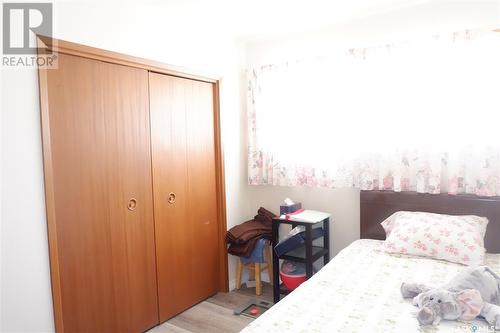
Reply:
x=358, y=290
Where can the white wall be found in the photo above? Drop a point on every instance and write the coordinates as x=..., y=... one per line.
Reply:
x=405, y=24
x=400, y=25
x=166, y=36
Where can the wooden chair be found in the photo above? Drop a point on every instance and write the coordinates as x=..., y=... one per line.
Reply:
x=256, y=268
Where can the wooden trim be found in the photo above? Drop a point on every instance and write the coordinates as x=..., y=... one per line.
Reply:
x=65, y=47
x=221, y=194
x=49, y=198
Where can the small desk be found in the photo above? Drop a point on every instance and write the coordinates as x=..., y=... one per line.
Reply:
x=306, y=253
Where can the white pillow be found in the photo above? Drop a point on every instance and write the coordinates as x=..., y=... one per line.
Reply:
x=457, y=239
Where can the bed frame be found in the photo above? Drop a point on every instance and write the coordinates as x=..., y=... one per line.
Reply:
x=378, y=205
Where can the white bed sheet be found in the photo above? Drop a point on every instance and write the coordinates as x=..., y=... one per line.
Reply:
x=358, y=291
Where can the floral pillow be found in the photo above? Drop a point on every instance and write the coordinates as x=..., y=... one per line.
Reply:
x=457, y=239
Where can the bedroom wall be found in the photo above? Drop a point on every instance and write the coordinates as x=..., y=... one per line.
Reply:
x=133, y=29
x=429, y=18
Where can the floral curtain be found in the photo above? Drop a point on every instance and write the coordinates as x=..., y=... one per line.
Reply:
x=419, y=116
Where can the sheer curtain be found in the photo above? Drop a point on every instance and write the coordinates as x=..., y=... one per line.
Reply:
x=420, y=116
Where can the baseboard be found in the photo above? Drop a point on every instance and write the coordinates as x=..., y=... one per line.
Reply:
x=232, y=284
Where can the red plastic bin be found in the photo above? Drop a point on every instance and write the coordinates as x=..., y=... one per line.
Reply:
x=292, y=281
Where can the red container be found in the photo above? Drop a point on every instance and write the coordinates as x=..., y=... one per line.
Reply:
x=292, y=281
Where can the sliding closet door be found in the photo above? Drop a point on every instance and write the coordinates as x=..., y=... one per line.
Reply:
x=182, y=136
x=99, y=173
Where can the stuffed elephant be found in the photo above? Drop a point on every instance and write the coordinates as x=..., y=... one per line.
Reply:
x=473, y=292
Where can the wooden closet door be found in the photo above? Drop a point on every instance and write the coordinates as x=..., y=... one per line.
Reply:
x=103, y=205
x=183, y=156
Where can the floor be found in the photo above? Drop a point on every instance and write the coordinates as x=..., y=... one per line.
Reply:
x=215, y=314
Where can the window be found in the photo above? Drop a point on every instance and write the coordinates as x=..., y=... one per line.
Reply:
x=420, y=116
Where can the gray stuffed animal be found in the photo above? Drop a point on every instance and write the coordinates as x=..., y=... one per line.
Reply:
x=473, y=292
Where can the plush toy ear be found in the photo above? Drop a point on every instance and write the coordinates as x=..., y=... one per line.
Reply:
x=409, y=290
x=471, y=302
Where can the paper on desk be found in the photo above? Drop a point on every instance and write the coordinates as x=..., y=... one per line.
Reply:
x=311, y=216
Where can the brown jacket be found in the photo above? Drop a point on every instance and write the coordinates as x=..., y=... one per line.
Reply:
x=242, y=238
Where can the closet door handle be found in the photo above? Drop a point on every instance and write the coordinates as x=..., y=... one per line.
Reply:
x=132, y=204
x=171, y=198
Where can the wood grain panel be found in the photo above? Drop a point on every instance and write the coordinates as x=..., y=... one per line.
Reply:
x=96, y=124
x=202, y=194
x=126, y=108
x=221, y=194
x=168, y=123
x=183, y=159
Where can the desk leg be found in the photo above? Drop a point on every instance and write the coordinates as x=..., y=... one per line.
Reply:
x=309, y=261
x=326, y=240
x=276, y=262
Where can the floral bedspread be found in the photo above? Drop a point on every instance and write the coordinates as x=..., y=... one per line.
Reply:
x=358, y=291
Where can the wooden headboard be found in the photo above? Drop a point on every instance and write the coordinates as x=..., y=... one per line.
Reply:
x=376, y=206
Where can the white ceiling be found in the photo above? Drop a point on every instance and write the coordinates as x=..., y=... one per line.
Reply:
x=250, y=18
x=256, y=19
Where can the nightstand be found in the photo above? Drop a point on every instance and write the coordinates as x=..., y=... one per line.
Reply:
x=306, y=253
